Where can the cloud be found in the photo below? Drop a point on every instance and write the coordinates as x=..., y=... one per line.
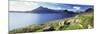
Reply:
x=87, y=2
x=22, y=6
x=76, y=7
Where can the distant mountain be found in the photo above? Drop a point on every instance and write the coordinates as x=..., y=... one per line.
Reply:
x=45, y=10
x=68, y=12
x=39, y=10
x=89, y=10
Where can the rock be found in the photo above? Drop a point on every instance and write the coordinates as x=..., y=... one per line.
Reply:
x=64, y=23
x=77, y=20
x=74, y=21
x=61, y=23
x=71, y=21
x=68, y=22
x=49, y=28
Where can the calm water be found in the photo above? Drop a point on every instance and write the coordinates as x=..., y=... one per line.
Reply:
x=17, y=20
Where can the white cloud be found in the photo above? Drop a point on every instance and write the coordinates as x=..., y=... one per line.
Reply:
x=76, y=7
x=87, y=2
x=22, y=6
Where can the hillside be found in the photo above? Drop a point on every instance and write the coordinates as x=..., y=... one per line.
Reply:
x=81, y=21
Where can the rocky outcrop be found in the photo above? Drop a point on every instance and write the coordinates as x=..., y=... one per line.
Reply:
x=68, y=22
x=62, y=23
x=49, y=28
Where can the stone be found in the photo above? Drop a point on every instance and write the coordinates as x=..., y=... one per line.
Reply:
x=61, y=23
x=77, y=20
x=49, y=28
x=64, y=23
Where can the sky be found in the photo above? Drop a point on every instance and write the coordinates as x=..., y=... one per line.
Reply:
x=86, y=2
x=28, y=6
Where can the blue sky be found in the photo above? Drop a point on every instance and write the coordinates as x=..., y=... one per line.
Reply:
x=27, y=6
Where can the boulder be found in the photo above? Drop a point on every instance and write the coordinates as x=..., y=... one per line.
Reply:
x=68, y=22
x=49, y=28
x=62, y=23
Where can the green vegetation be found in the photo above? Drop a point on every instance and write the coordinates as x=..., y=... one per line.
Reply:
x=81, y=21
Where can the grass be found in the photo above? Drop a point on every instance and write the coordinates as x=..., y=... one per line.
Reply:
x=86, y=22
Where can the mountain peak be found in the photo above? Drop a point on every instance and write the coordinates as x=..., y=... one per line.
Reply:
x=42, y=10
x=41, y=7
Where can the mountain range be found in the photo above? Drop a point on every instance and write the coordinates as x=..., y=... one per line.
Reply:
x=46, y=10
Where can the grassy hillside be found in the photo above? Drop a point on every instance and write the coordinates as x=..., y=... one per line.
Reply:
x=81, y=21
